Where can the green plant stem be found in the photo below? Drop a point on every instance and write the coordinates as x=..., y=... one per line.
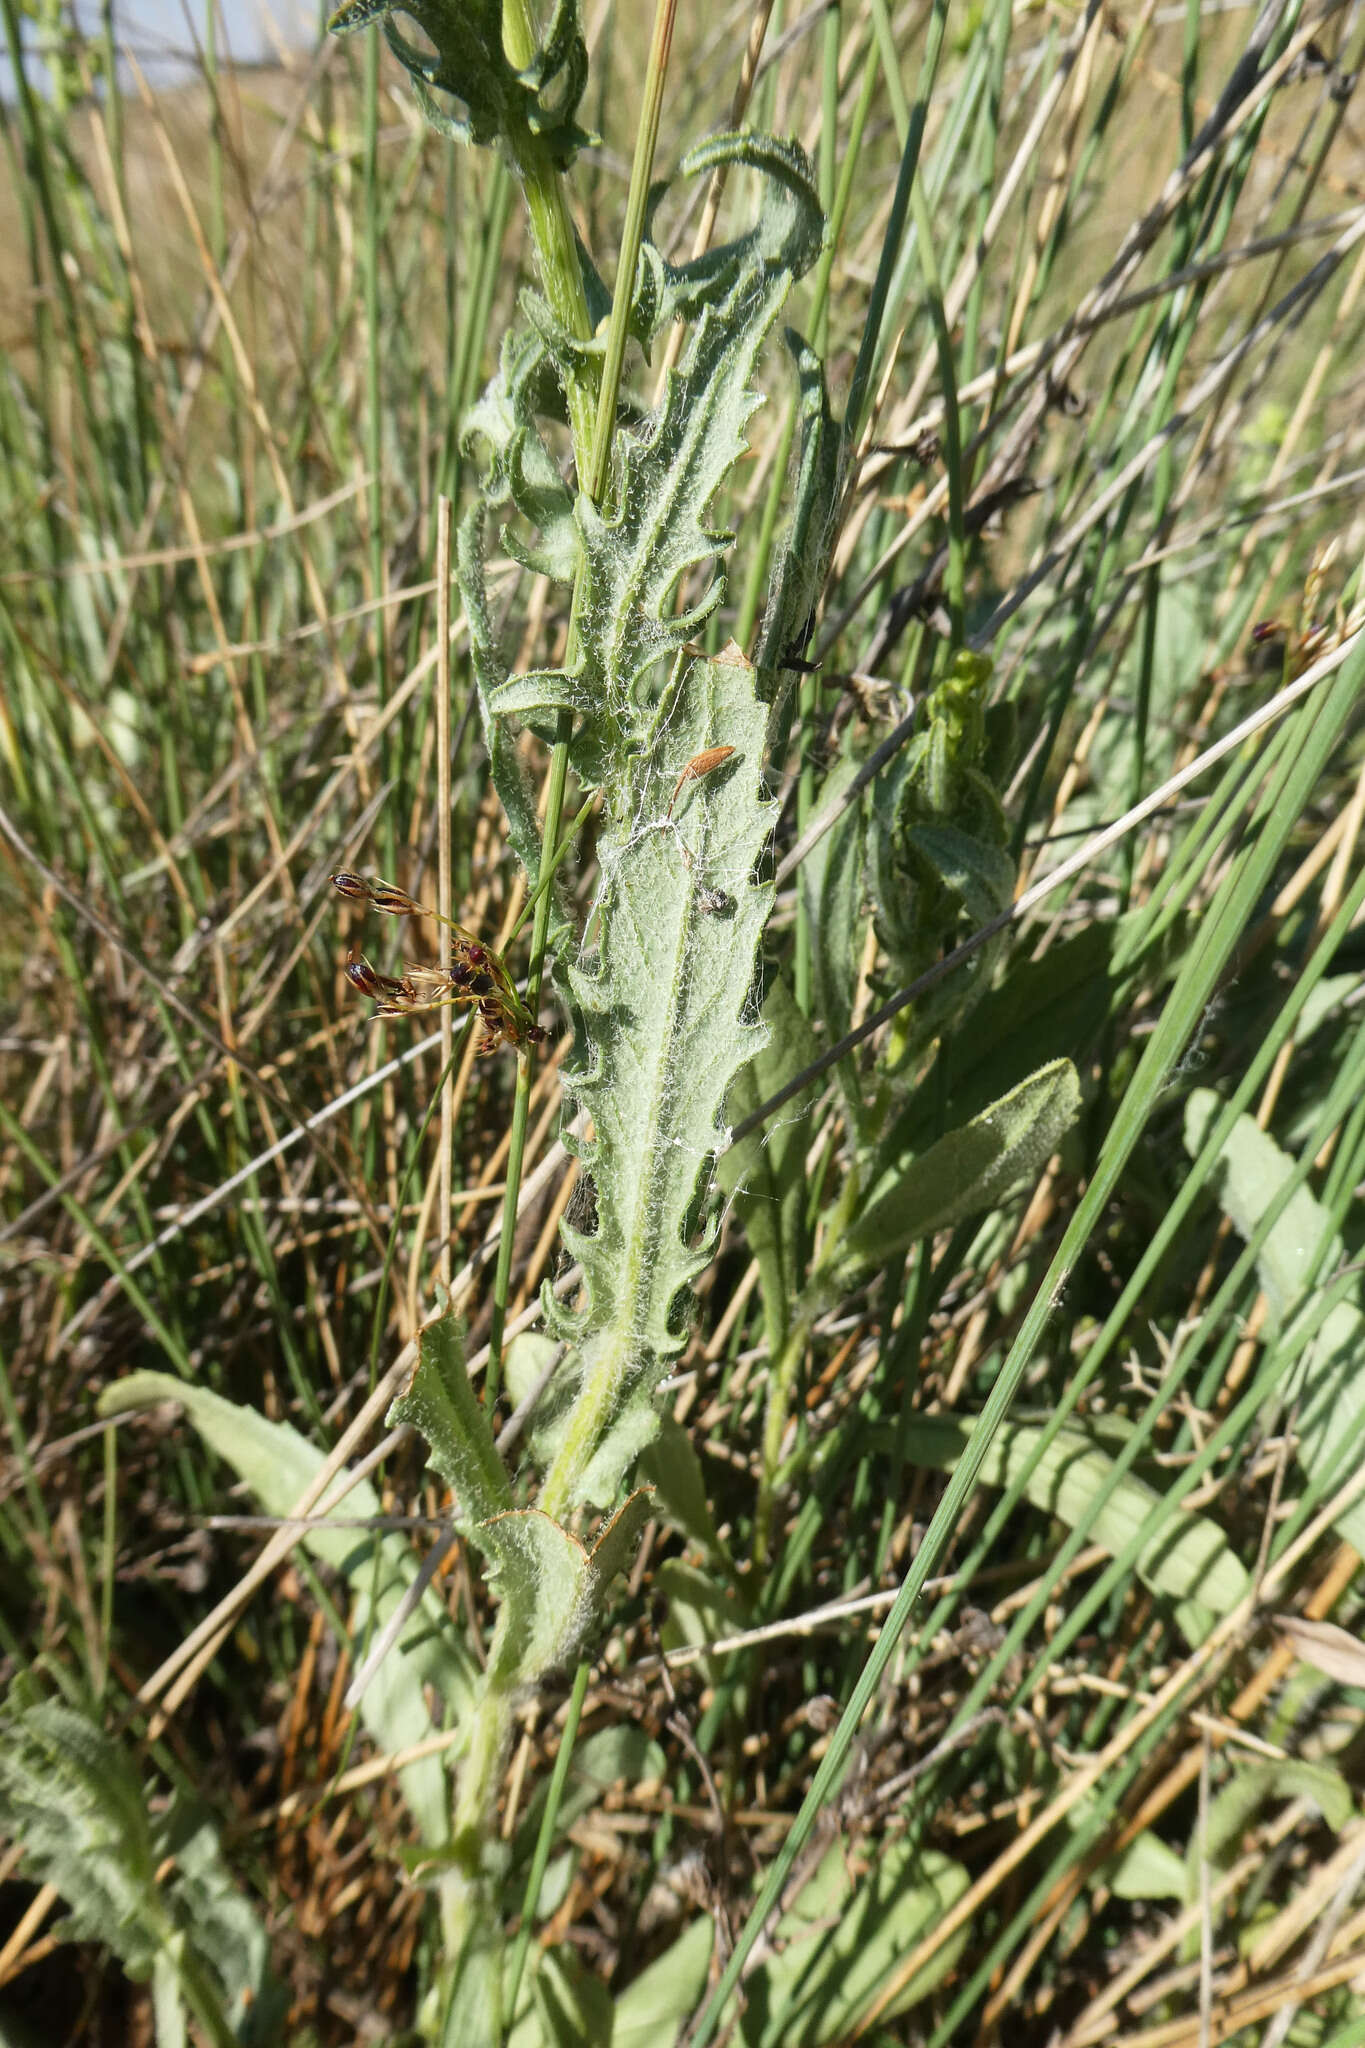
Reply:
x=470, y=1918
x=603, y=1378
x=545, y=1839
x=814, y=1299
x=200, y=1993
x=641, y=173
x=562, y=276
x=374, y=374
x=521, y=1106
x=757, y=579
x=556, y=244
x=551, y=868
x=781, y=1380
x=955, y=576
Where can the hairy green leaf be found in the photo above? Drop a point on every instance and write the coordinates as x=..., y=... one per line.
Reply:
x=468, y=66
x=70, y=1797
x=663, y=1031
x=966, y=1171
x=149, y=1881
x=278, y=1464
x=650, y=2011
x=841, y=1939
x=551, y=1587
x=656, y=529
x=765, y=1175
x=1075, y=1480
x=1236, y=1804
x=441, y=1404
x=675, y=1471
x=804, y=560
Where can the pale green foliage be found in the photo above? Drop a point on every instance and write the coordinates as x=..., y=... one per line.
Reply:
x=441, y=1404
x=151, y=1884
x=657, y=531
x=833, y=1950
x=550, y=1585
x=632, y=554
x=908, y=1195
x=662, y=1000
x=1187, y=1557
x=938, y=860
x=664, y=990
x=1298, y=1254
x=844, y=1935
x=765, y=1174
x=664, y=1032
x=278, y=1465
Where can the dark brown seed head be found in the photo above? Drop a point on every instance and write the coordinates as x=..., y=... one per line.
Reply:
x=385, y=896
x=361, y=975
x=350, y=884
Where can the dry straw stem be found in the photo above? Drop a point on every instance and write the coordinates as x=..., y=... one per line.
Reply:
x=1202, y=1669
x=177, y=1675
x=226, y=322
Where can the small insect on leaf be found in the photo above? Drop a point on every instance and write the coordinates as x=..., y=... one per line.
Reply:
x=700, y=764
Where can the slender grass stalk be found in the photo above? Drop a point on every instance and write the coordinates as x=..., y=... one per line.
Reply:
x=641, y=177
x=445, y=891
x=545, y=1837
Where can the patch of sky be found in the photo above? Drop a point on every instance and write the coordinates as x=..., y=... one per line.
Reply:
x=167, y=38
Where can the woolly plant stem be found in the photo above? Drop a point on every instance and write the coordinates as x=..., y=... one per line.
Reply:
x=556, y=244
x=553, y=230
x=481, y=1771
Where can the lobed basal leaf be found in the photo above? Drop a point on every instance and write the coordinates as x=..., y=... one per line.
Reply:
x=663, y=1028
x=656, y=529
